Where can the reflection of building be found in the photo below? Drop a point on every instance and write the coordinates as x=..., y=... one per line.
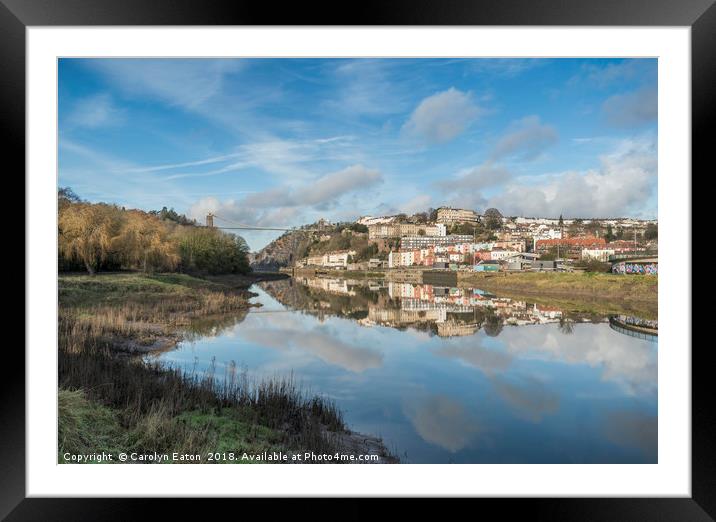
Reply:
x=334, y=286
x=444, y=311
x=455, y=329
x=397, y=316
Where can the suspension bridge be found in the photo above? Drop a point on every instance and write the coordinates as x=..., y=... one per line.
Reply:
x=240, y=226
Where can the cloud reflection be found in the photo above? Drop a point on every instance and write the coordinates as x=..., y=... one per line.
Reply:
x=320, y=342
x=486, y=359
x=529, y=397
x=633, y=429
x=442, y=421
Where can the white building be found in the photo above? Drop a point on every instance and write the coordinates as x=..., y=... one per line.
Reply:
x=331, y=259
x=415, y=242
x=499, y=255
x=450, y=215
x=545, y=233
x=599, y=254
x=380, y=230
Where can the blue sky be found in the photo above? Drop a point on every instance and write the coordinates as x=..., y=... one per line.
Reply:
x=282, y=142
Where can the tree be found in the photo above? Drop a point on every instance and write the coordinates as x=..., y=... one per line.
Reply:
x=358, y=227
x=67, y=195
x=566, y=325
x=143, y=241
x=172, y=215
x=575, y=227
x=421, y=217
x=651, y=232
x=609, y=236
x=367, y=252
x=85, y=233
x=560, y=223
x=492, y=219
x=593, y=227
x=213, y=251
x=493, y=325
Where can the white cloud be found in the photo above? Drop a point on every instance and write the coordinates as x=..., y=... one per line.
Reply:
x=621, y=186
x=442, y=117
x=632, y=109
x=198, y=86
x=184, y=83
x=324, y=190
x=477, y=178
x=526, y=140
x=95, y=111
x=366, y=87
x=602, y=76
x=279, y=157
x=419, y=203
x=287, y=206
x=507, y=67
x=93, y=174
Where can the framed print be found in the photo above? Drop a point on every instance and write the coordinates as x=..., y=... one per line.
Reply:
x=428, y=240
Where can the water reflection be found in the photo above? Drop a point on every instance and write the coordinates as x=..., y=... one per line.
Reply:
x=443, y=311
x=442, y=421
x=451, y=374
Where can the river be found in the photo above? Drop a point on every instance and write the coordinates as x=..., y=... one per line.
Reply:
x=448, y=375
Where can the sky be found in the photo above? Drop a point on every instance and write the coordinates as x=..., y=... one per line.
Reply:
x=284, y=142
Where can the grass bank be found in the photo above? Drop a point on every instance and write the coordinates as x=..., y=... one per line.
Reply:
x=111, y=401
x=586, y=292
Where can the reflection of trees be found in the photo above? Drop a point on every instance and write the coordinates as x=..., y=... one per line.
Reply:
x=566, y=325
x=214, y=324
x=493, y=325
x=431, y=327
x=321, y=303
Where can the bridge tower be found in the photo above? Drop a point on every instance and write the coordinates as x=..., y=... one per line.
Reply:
x=210, y=220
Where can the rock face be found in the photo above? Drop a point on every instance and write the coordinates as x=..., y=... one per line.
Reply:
x=281, y=252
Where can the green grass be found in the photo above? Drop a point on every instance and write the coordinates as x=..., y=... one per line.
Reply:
x=609, y=285
x=232, y=433
x=87, y=427
x=85, y=290
x=588, y=292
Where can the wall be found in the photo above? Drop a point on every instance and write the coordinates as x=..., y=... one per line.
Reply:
x=636, y=268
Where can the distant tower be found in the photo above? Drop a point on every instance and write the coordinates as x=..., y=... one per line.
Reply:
x=210, y=220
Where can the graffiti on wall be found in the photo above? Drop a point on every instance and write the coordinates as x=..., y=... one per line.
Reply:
x=636, y=268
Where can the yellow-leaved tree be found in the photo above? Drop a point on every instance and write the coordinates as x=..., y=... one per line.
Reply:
x=86, y=232
x=144, y=242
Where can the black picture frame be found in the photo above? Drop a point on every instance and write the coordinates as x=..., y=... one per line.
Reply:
x=700, y=15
